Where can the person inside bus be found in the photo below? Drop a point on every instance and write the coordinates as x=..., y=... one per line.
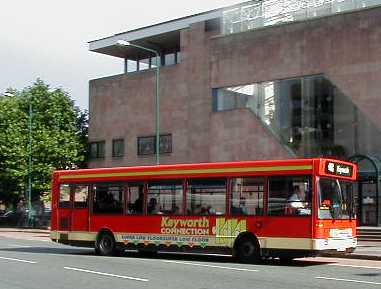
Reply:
x=298, y=203
x=241, y=209
x=153, y=207
x=196, y=210
x=138, y=205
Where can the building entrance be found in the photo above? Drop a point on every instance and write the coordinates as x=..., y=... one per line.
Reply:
x=367, y=195
x=368, y=203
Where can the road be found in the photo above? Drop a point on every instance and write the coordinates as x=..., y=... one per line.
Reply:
x=35, y=264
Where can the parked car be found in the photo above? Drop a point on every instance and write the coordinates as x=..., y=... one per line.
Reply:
x=9, y=218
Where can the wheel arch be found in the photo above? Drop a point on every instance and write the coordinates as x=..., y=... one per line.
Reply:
x=245, y=235
x=104, y=231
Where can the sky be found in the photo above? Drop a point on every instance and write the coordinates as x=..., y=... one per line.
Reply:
x=48, y=39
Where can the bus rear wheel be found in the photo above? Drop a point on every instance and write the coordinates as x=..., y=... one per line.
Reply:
x=105, y=245
x=247, y=250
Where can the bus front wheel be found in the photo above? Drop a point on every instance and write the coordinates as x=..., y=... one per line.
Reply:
x=247, y=250
x=105, y=244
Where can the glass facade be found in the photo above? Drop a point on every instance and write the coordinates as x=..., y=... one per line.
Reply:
x=170, y=58
x=260, y=13
x=309, y=115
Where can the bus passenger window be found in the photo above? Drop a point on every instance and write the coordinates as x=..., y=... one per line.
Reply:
x=135, y=198
x=108, y=199
x=81, y=194
x=290, y=195
x=247, y=196
x=64, y=201
x=165, y=197
x=206, y=197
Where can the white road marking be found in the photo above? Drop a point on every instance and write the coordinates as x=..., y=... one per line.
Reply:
x=38, y=240
x=349, y=280
x=18, y=260
x=19, y=246
x=355, y=266
x=210, y=266
x=106, y=274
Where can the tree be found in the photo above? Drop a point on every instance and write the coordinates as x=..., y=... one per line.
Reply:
x=58, y=133
x=12, y=146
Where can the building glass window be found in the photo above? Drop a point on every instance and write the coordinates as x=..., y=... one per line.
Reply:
x=97, y=150
x=178, y=57
x=290, y=195
x=153, y=62
x=170, y=59
x=206, y=197
x=165, y=197
x=147, y=144
x=132, y=65
x=247, y=196
x=144, y=64
x=165, y=144
x=117, y=148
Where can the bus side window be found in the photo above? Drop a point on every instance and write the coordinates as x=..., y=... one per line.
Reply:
x=64, y=201
x=108, y=199
x=165, y=197
x=135, y=198
x=206, y=197
x=81, y=194
x=247, y=196
x=289, y=195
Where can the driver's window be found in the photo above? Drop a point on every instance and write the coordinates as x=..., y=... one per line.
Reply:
x=289, y=195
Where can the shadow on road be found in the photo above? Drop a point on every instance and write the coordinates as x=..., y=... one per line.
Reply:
x=75, y=251
x=50, y=250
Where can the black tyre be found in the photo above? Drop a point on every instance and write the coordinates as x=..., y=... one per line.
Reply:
x=105, y=245
x=248, y=251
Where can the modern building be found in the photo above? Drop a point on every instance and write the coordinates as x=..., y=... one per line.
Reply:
x=259, y=80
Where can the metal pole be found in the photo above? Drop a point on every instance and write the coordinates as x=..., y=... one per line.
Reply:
x=30, y=163
x=157, y=98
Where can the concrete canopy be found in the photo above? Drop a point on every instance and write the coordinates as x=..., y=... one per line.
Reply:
x=161, y=37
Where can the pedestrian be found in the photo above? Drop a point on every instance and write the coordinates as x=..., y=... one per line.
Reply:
x=21, y=213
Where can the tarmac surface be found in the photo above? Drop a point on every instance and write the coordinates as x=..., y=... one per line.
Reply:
x=365, y=250
x=29, y=260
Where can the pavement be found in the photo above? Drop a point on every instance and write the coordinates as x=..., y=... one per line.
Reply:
x=25, y=234
x=364, y=251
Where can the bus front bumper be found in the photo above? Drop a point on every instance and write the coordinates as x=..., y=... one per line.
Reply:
x=338, y=245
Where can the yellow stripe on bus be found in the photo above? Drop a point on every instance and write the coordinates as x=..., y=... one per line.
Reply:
x=187, y=172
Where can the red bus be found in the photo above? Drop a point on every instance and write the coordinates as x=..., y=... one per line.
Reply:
x=251, y=209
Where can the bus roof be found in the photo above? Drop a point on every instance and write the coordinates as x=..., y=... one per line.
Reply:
x=322, y=166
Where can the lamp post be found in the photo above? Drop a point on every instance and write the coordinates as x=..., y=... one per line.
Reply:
x=157, y=94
